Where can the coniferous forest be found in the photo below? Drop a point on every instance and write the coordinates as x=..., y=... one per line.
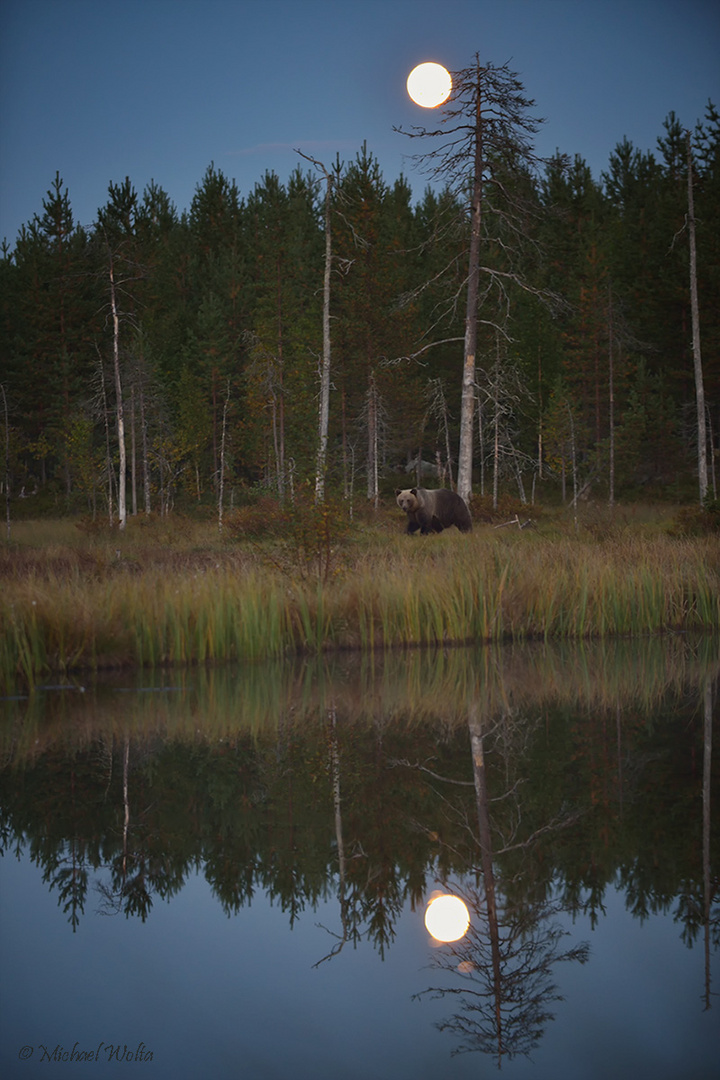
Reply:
x=200, y=331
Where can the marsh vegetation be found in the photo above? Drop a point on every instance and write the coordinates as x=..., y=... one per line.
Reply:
x=174, y=591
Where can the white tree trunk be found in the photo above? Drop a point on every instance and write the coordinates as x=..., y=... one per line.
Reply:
x=133, y=453
x=325, y=369
x=697, y=359
x=145, y=452
x=467, y=408
x=221, y=480
x=373, y=488
x=122, y=477
x=611, y=402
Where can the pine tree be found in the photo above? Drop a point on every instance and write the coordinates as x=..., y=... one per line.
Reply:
x=376, y=315
x=282, y=229
x=217, y=272
x=117, y=235
x=48, y=332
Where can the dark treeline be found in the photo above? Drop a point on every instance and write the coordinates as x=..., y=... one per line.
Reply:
x=202, y=332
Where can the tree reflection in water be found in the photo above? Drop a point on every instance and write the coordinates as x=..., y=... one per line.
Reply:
x=504, y=962
x=350, y=779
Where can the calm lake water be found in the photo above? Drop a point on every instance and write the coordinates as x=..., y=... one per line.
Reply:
x=225, y=873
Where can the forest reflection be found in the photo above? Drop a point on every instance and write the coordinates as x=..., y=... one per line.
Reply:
x=526, y=780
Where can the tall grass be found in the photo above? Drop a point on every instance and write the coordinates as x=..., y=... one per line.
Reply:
x=390, y=591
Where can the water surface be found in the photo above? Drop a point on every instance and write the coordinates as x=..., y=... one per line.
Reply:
x=226, y=872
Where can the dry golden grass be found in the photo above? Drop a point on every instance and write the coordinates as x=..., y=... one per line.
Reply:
x=184, y=595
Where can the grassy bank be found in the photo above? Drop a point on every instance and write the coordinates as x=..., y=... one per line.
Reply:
x=176, y=593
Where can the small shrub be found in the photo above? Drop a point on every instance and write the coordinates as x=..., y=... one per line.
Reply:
x=315, y=531
x=309, y=533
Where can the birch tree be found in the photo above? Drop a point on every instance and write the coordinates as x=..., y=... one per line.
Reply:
x=117, y=228
x=119, y=409
x=695, y=312
x=324, y=410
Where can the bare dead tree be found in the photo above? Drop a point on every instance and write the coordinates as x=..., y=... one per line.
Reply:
x=573, y=451
x=611, y=401
x=695, y=312
x=374, y=417
x=707, y=772
x=438, y=410
x=482, y=148
x=265, y=371
x=119, y=410
x=502, y=393
x=500, y=973
x=101, y=405
x=324, y=412
x=223, y=445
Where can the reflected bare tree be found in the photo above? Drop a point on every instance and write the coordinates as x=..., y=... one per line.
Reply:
x=504, y=962
x=136, y=874
x=707, y=887
x=370, y=892
x=502, y=972
x=349, y=929
x=697, y=908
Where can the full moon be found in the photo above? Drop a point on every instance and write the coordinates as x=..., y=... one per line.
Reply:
x=429, y=85
x=447, y=918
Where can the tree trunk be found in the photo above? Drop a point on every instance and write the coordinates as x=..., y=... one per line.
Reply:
x=481, y=445
x=133, y=453
x=611, y=402
x=496, y=447
x=467, y=408
x=372, y=455
x=697, y=359
x=343, y=425
x=221, y=478
x=145, y=454
x=540, y=417
x=711, y=441
x=108, y=454
x=707, y=786
x=482, y=802
x=325, y=370
x=276, y=446
x=122, y=477
x=573, y=451
x=280, y=439
x=448, y=452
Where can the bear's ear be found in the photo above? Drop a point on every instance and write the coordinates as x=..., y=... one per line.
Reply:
x=398, y=490
x=413, y=491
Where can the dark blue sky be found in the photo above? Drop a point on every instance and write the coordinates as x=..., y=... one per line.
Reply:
x=158, y=89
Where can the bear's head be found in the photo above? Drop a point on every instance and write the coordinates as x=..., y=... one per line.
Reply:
x=407, y=499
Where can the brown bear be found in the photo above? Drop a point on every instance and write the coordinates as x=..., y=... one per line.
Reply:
x=433, y=511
